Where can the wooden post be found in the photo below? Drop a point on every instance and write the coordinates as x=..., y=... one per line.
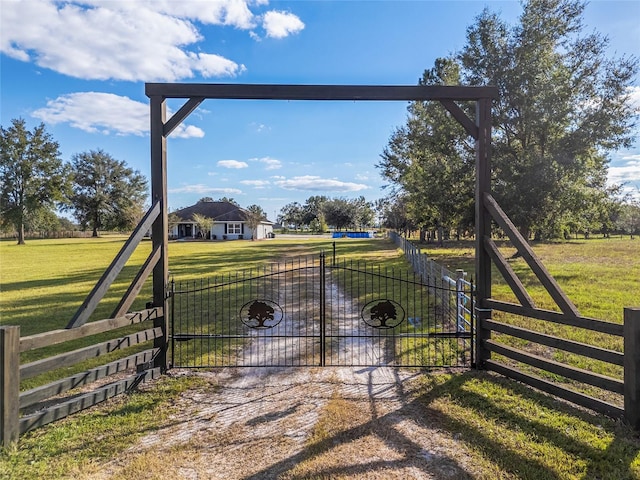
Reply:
x=9, y=385
x=159, y=231
x=483, y=227
x=632, y=366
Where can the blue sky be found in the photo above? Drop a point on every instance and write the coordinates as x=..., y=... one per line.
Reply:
x=80, y=67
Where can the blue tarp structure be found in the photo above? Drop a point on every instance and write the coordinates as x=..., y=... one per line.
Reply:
x=352, y=234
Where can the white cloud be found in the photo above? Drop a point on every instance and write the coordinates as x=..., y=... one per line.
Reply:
x=187, y=131
x=232, y=164
x=270, y=163
x=259, y=127
x=145, y=40
x=634, y=97
x=316, y=183
x=97, y=112
x=210, y=65
x=625, y=170
x=201, y=189
x=362, y=176
x=281, y=24
x=256, y=183
x=106, y=113
x=233, y=13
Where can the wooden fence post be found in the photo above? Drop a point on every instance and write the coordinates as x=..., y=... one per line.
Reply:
x=9, y=385
x=632, y=366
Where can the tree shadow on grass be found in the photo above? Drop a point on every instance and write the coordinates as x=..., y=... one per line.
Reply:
x=597, y=447
x=504, y=436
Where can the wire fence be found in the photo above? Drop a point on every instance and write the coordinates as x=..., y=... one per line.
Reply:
x=429, y=271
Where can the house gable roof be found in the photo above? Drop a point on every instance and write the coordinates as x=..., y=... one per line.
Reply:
x=218, y=211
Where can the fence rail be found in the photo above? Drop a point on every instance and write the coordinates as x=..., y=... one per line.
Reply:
x=507, y=344
x=428, y=270
x=37, y=405
x=511, y=347
x=54, y=234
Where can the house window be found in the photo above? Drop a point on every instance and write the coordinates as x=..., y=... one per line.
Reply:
x=234, y=228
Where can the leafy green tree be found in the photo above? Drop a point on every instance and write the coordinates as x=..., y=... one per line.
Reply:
x=204, y=224
x=33, y=178
x=629, y=218
x=291, y=214
x=42, y=220
x=223, y=199
x=563, y=105
x=313, y=208
x=339, y=212
x=172, y=221
x=364, y=216
x=394, y=214
x=255, y=215
x=106, y=193
x=432, y=160
x=318, y=225
x=66, y=224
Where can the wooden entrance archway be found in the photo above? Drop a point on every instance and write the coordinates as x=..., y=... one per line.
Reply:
x=479, y=128
x=486, y=251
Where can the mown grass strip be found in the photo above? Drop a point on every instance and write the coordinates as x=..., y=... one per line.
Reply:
x=516, y=432
x=77, y=445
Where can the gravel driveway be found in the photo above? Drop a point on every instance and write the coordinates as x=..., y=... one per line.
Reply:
x=300, y=423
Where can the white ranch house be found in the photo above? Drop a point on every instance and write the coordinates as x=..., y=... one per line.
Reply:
x=229, y=223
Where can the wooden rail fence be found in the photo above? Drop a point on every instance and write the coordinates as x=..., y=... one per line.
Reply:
x=39, y=400
x=46, y=403
x=509, y=356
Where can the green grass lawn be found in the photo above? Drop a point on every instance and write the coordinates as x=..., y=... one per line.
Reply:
x=514, y=431
x=44, y=282
x=601, y=277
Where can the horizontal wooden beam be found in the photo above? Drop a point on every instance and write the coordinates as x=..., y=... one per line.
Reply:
x=508, y=274
x=64, y=409
x=609, y=356
x=118, y=263
x=53, y=337
x=38, y=394
x=318, y=92
x=578, y=374
x=546, y=279
x=67, y=359
x=556, y=390
x=593, y=324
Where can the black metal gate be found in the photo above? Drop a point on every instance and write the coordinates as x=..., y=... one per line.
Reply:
x=310, y=312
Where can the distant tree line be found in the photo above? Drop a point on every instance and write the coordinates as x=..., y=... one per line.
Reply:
x=563, y=107
x=319, y=212
x=101, y=193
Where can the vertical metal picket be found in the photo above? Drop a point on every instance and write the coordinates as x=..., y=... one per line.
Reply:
x=323, y=316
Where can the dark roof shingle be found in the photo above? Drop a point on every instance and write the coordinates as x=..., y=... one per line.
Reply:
x=218, y=211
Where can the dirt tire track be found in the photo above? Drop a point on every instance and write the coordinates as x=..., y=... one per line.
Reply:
x=262, y=423
x=259, y=424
